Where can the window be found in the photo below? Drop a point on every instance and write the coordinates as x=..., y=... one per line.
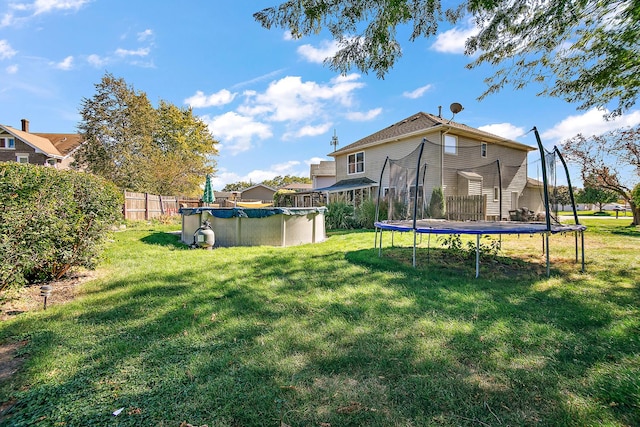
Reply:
x=355, y=163
x=483, y=149
x=8, y=143
x=450, y=144
x=22, y=158
x=496, y=194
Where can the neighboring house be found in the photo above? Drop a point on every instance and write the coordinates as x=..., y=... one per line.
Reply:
x=323, y=174
x=49, y=149
x=297, y=187
x=454, y=152
x=259, y=192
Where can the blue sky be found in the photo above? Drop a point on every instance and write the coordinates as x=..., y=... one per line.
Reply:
x=268, y=99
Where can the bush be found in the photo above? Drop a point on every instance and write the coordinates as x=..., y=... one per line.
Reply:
x=365, y=214
x=340, y=215
x=436, y=205
x=51, y=221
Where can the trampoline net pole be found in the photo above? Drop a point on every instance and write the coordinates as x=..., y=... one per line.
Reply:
x=477, y=255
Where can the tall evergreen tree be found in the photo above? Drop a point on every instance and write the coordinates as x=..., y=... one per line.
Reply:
x=166, y=150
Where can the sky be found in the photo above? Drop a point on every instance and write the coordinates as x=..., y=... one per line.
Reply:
x=267, y=98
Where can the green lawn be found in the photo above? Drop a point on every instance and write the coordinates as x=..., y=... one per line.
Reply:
x=331, y=334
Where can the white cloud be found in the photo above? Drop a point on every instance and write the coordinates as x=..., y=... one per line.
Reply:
x=96, y=60
x=145, y=35
x=452, y=41
x=590, y=123
x=12, y=69
x=291, y=99
x=65, y=64
x=417, y=93
x=44, y=6
x=366, y=116
x=200, y=100
x=319, y=54
x=39, y=7
x=7, y=20
x=505, y=130
x=236, y=131
x=143, y=51
x=308, y=130
x=314, y=161
x=6, y=51
x=287, y=36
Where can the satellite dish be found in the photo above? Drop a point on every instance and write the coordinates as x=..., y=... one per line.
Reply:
x=456, y=108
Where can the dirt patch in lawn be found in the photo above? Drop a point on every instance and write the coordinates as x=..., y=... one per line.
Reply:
x=28, y=298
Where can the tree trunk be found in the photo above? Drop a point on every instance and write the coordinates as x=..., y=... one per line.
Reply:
x=635, y=210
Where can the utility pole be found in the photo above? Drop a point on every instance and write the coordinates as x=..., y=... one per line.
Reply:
x=334, y=140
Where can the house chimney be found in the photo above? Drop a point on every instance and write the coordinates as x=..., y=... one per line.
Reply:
x=25, y=125
x=439, y=111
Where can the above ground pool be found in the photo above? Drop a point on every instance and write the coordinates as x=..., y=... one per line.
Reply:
x=256, y=226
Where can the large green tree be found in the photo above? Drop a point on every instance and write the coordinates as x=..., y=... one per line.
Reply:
x=183, y=153
x=584, y=51
x=164, y=151
x=117, y=126
x=281, y=181
x=610, y=161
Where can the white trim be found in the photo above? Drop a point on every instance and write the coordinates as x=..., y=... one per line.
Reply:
x=355, y=163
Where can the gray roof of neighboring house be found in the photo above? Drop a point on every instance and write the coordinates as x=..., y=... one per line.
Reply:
x=421, y=123
x=349, y=184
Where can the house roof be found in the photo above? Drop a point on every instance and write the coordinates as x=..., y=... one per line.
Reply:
x=36, y=142
x=472, y=176
x=424, y=123
x=66, y=143
x=260, y=185
x=349, y=184
x=56, y=145
x=298, y=186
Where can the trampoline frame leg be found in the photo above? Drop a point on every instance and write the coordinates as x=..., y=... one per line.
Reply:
x=477, y=255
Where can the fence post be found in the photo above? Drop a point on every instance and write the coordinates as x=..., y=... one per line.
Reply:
x=124, y=207
x=146, y=206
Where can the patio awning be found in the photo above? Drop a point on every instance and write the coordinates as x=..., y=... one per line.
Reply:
x=348, y=184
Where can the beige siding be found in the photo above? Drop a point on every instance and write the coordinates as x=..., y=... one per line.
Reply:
x=443, y=169
x=258, y=193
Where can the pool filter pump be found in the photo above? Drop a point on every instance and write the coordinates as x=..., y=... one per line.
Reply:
x=204, y=237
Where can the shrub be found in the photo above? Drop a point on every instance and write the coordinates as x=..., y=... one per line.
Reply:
x=340, y=215
x=365, y=214
x=51, y=221
x=283, y=197
x=436, y=204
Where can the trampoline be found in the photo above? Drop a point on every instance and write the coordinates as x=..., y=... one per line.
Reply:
x=410, y=207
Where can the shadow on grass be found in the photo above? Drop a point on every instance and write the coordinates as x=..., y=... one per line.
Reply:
x=305, y=337
x=627, y=231
x=165, y=239
x=440, y=261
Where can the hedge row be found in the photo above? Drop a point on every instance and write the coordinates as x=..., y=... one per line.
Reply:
x=51, y=220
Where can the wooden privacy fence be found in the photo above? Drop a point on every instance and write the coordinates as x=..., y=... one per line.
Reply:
x=466, y=208
x=142, y=206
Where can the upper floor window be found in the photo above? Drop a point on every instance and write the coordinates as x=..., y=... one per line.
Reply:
x=483, y=149
x=8, y=143
x=355, y=163
x=450, y=144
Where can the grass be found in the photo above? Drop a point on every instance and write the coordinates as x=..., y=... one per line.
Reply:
x=333, y=335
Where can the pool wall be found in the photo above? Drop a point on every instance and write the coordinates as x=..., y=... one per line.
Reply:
x=257, y=227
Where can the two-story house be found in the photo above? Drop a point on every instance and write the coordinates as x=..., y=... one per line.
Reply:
x=49, y=149
x=461, y=160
